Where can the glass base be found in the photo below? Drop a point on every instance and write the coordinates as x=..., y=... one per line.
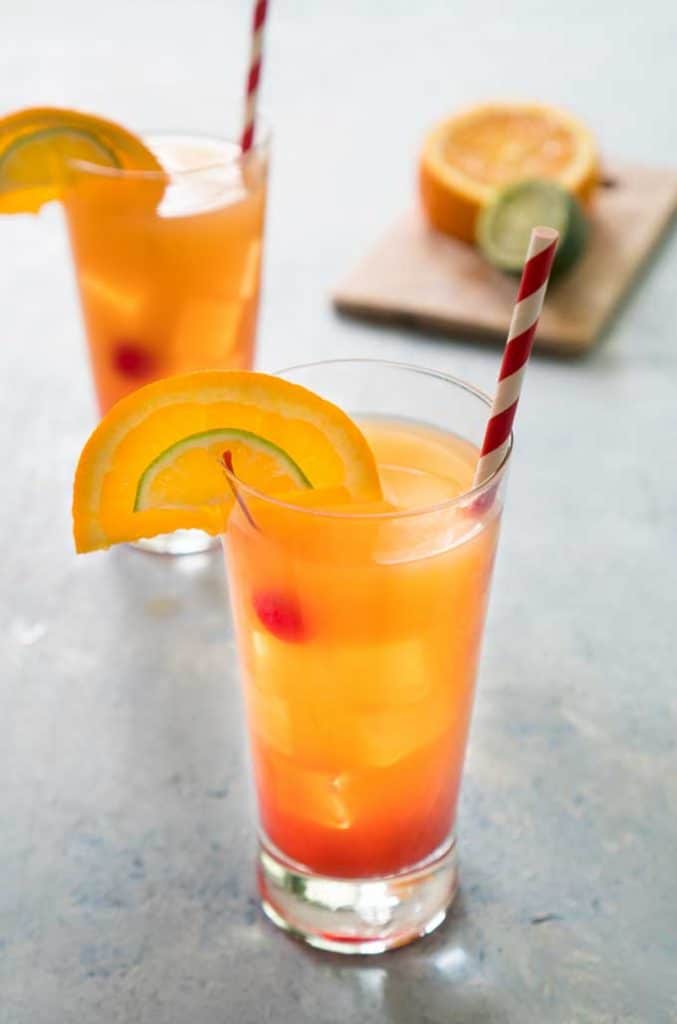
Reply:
x=182, y=542
x=368, y=915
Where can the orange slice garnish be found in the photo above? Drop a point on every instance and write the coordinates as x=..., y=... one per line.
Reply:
x=41, y=146
x=467, y=158
x=155, y=462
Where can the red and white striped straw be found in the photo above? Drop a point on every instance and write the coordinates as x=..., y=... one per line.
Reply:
x=528, y=305
x=253, y=75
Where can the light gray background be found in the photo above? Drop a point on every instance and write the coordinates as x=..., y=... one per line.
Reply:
x=125, y=827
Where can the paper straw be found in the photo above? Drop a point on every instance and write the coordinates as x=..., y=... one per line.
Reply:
x=528, y=305
x=253, y=75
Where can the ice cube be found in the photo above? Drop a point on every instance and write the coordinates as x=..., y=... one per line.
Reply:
x=122, y=299
x=269, y=719
x=320, y=797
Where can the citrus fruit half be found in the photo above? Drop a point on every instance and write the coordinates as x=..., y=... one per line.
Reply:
x=38, y=148
x=467, y=157
x=505, y=224
x=155, y=462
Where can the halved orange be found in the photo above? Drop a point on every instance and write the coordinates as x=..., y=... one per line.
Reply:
x=154, y=463
x=468, y=157
x=39, y=145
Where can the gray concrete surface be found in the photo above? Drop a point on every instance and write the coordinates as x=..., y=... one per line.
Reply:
x=125, y=820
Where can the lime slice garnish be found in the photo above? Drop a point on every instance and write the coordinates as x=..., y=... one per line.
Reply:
x=505, y=224
x=32, y=160
x=41, y=146
x=172, y=474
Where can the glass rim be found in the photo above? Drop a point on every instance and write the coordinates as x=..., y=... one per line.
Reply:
x=261, y=144
x=463, y=499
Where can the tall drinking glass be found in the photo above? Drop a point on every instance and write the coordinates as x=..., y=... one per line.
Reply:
x=359, y=632
x=168, y=266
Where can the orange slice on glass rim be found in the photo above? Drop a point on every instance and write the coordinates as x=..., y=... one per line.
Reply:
x=40, y=146
x=155, y=462
x=467, y=158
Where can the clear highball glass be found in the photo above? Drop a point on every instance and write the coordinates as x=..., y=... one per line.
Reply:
x=359, y=630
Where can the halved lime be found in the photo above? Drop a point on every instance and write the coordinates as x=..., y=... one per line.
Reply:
x=505, y=224
x=198, y=457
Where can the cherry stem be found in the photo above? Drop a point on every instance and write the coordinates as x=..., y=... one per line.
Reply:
x=227, y=459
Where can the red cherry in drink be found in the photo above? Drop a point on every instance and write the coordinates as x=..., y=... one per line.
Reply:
x=133, y=360
x=281, y=615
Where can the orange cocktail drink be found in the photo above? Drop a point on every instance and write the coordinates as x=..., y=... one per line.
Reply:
x=359, y=555
x=359, y=640
x=359, y=632
x=168, y=262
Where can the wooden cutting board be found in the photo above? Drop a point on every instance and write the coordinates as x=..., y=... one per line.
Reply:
x=415, y=276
